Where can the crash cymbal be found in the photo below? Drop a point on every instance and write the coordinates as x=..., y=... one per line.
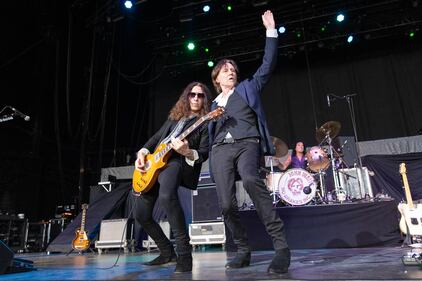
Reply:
x=331, y=128
x=280, y=146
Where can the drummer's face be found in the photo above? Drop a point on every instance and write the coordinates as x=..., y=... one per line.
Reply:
x=299, y=147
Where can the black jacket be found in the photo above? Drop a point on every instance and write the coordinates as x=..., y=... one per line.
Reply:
x=197, y=140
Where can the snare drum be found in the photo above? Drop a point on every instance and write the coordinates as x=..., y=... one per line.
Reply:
x=297, y=187
x=317, y=159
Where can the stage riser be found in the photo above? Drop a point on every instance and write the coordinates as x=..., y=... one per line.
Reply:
x=328, y=226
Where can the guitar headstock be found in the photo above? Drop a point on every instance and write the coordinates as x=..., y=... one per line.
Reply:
x=215, y=113
x=403, y=168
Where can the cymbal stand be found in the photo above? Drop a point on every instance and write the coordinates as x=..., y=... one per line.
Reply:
x=340, y=192
x=274, y=193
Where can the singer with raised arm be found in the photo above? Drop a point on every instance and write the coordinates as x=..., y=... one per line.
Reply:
x=182, y=169
x=237, y=143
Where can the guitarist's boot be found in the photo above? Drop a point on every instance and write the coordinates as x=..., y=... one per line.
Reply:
x=165, y=256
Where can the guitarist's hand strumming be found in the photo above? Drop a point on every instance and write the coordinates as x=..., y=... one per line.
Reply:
x=140, y=162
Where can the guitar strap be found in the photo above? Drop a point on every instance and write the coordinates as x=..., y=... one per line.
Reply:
x=177, y=129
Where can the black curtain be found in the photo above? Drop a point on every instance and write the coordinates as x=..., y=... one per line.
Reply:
x=387, y=178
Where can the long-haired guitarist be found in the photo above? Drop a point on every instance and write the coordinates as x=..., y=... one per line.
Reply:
x=182, y=169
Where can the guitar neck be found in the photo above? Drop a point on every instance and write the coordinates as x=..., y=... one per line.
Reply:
x=83, y=220
x=407, y=191
x=192, y=128
x=409, y=199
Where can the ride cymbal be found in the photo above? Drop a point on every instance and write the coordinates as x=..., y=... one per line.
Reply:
x=331, y=128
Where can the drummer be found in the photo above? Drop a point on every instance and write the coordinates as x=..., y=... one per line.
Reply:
x=296, y=160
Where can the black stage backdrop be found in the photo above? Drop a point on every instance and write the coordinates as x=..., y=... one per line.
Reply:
x=387, y=178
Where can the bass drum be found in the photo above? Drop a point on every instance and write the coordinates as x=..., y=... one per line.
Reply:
x=297, y=187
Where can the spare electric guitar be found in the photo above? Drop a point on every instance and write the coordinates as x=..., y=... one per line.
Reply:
x=81, y=241
x=143, y=182
x=411, y=214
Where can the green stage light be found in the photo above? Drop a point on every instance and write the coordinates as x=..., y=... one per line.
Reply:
x=207, y=50
x=210, y=63
x=191, y=46
x=229, y=8
x=412, y=34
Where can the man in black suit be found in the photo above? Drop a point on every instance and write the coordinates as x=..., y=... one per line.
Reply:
x=182, y=169
x=237, y=143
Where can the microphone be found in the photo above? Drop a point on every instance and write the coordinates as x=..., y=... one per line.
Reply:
x=307, y=189
x=20, y=114
x=328, y=101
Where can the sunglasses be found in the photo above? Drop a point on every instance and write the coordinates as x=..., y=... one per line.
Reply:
x=199, y=95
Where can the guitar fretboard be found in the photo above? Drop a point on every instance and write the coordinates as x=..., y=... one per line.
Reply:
x=181, y=137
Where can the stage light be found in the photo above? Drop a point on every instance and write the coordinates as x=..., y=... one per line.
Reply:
x=323, y=28
x=340, y=17
x=210, y=63
x=191, y=46
x=298, y=34
x=128, y=4
x=412, y=34
x=206, y=50
x=350, y=39
x=206, y=8
x=281, y=29
x=229, y=8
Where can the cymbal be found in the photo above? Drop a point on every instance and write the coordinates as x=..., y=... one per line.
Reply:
x=280, y=146
x=331, y=128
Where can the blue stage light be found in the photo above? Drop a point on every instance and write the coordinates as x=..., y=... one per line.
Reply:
x=281, y=29
x=206, y=8
x=128, y=4
x=340, y=17
x=350, y=39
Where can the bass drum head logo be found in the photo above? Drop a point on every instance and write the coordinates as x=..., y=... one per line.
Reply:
x=292, y=184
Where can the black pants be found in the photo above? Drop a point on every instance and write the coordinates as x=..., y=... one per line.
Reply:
x=243, y=157
x=165, y=191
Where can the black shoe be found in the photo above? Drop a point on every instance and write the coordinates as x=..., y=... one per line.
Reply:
x=184, y=264
x=162, y=259
x=281, y=262
x=240, y=260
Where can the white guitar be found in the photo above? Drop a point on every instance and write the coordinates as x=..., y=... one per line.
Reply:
x=411, y=214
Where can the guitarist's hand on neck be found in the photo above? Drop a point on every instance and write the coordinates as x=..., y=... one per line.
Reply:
x=182, y=147
x=140, y=161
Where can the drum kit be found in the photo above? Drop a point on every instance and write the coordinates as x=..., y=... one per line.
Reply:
x=297, y=186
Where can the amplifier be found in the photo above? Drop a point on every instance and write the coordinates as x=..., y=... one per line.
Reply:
x=356, y=182
x=207, y=233
x=205, y=205
x=115, y=233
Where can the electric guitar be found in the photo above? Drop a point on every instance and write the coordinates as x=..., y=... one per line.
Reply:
x=81, y=241
x=411, y=214
x=143, y=182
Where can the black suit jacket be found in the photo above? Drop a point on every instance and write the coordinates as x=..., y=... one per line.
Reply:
x=197, y=140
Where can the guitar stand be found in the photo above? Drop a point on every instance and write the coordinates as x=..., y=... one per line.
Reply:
x=80, y=252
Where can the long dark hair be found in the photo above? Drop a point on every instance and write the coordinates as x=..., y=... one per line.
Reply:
x=182, y=108
x=304, y=148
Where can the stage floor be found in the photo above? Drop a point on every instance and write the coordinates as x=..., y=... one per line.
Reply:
x=322, y=264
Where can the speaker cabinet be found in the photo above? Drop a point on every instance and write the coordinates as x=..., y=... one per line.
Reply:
x=356, y=182
x=205, y=205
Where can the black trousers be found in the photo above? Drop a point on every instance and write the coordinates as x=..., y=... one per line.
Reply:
x=243, y=157
x=165, y=191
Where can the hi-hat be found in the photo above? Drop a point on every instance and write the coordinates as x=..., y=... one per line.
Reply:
x=331, y=128
x=280, y=147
